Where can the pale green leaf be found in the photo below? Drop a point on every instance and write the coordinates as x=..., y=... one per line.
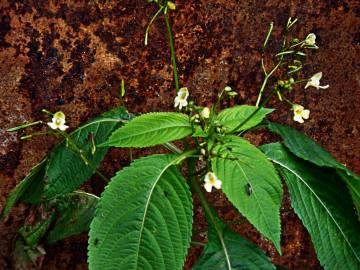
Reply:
x=305, y=148
x=144, y=218
x=151, y=129
x=232, y=252
x=232, y=117
x=66, y=170
x=243, y=167
x=323, y=204
x=75, y=212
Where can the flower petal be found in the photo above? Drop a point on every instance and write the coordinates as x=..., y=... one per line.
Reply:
x=63, y=127
x=305, y=114
x=208, y=187
x=52, y=125
x=217, y=184
x=298, y=118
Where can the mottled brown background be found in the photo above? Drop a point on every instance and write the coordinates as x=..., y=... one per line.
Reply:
x=71, y=56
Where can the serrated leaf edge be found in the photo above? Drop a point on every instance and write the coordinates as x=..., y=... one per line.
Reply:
x=324, y=206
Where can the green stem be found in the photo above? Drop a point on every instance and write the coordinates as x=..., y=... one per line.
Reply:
x=82, y=156
x=24, y=126
x=205, y=205
x=150, y=23
x=172, y=49
x=266, y=81
x=196, y=243
x=257, y=109
x=173, y=148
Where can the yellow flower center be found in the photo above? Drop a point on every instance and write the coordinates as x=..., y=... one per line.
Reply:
x=58, y=122
x=212, y=179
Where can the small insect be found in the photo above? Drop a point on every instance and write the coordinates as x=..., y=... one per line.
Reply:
x=248, y=189
x=96, y=242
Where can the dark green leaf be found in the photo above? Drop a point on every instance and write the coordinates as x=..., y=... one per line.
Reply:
x=151, y=129
x=323, y=204
x=305, y=148
x=66, y=170
x=26, y=257
x=76, y=211
x=21, y=192
x=144, y=218
x=232, y=252
x=230, y=118
x=32, y=234
x=251, y=183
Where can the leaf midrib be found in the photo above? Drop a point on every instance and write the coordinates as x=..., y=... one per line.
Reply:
x=321, y=202
x=150, y=130
x=146, y=209
x=255, y=195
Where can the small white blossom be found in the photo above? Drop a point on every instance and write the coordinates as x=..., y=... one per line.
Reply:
x=315, y=81
x=211, y=181
x=300, y=113
x=181, y=98
x=205, y=113
x=227, y=89
x=58, y=121
x=310, y=40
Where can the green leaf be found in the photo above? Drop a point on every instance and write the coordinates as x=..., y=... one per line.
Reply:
x=76, y=211
x=32, y=180
x=305, y=148
x=322, y=203
x=353, y=184
x=151, y=129
x=233, y=252
x=66, y=170
x=230, y=118
x=251, y=183
x=144, y=218
x=26, y=257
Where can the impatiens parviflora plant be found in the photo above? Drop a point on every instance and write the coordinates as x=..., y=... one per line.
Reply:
x=143, y=219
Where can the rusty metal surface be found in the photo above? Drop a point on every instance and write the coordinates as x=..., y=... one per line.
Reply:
x=71, y=56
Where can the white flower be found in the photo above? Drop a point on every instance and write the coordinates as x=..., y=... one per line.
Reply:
x=300, y=114
x=58, y=121
x=211, y=181
x=205, y=113
x=310, y=40
x=181, y=98
x=227, y=89
x=315, y=81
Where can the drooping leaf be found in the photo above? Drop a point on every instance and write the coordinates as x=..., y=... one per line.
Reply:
x=353, y=183
x=33, y=180
x=251, y=183
x=305, y=148
x=323, y=204
x=32, y=234
x=75, y=213
x=66, y=169
x=27, y=257
x=143, y=219
x=151, y=129
x=230, y=251
x=230, y=118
